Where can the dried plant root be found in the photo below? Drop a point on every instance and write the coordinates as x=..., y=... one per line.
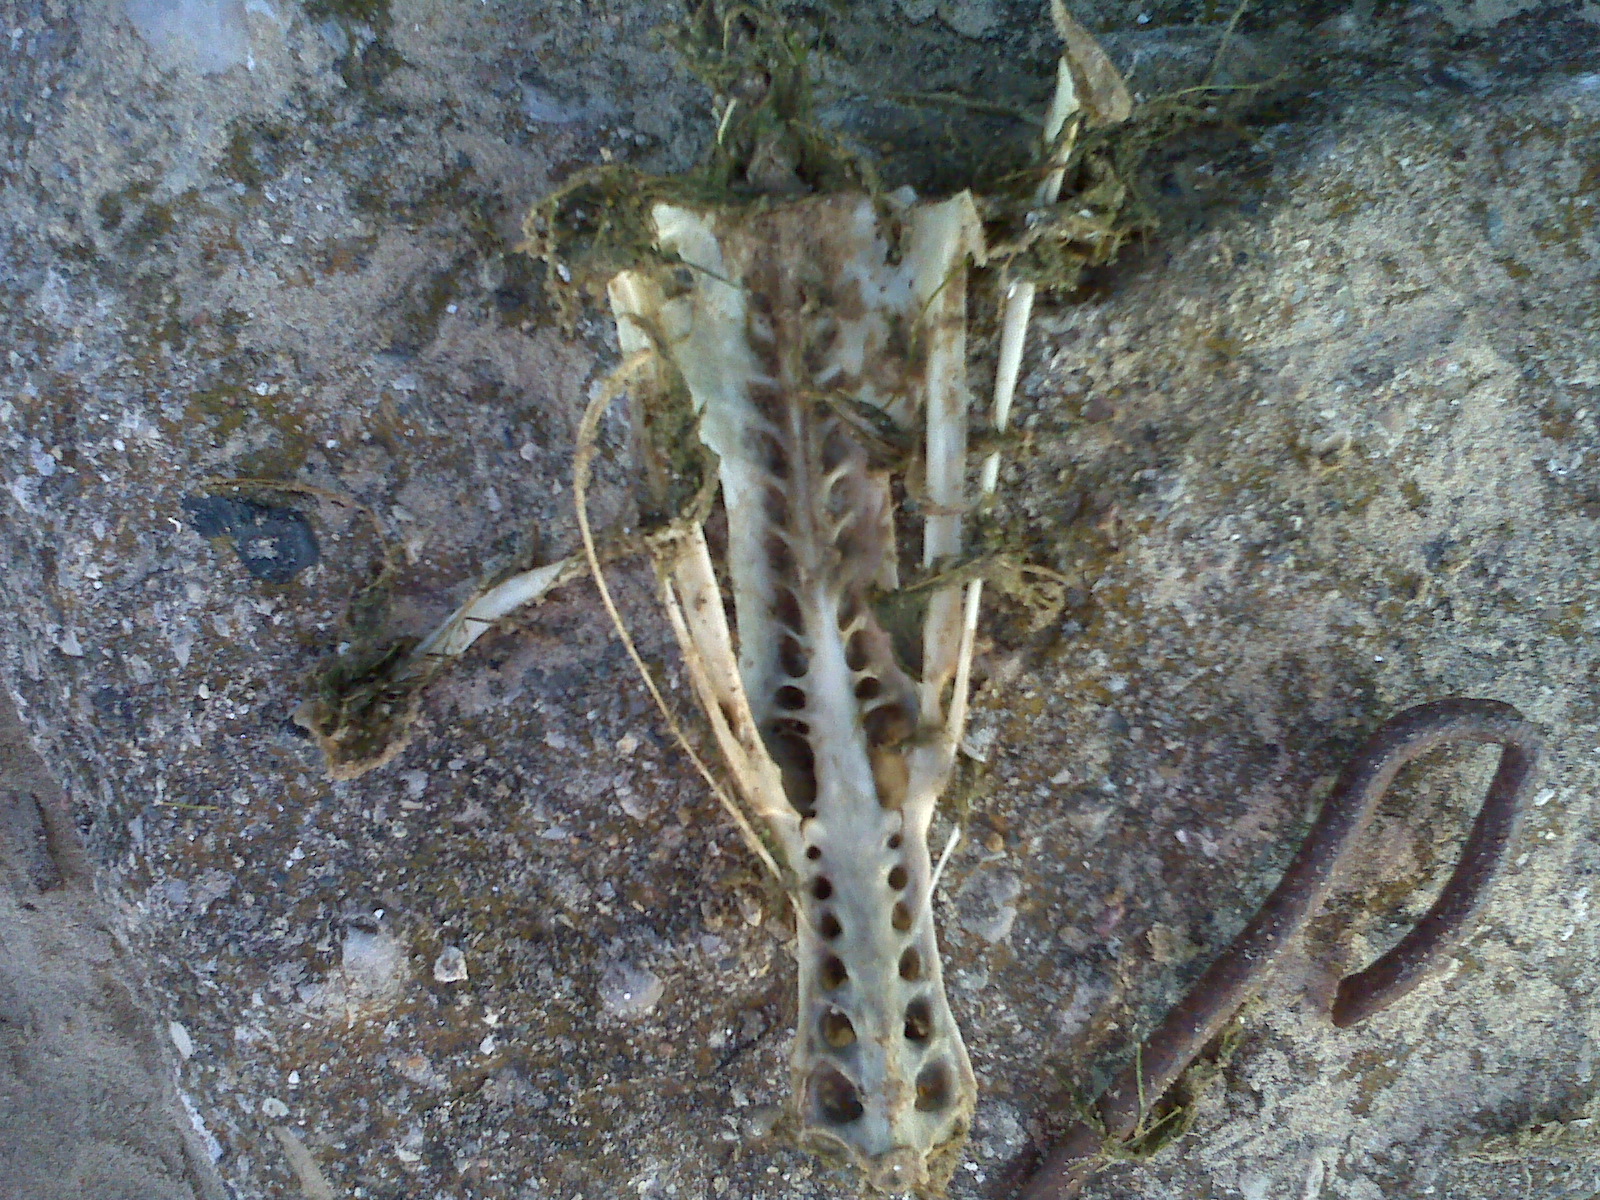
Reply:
x=588, y=431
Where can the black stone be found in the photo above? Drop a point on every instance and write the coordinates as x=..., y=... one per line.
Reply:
x=274, y=544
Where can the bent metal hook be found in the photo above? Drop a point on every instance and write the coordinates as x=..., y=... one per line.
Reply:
x=1241, y=969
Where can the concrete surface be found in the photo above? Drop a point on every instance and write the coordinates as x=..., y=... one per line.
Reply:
x=1322, y=448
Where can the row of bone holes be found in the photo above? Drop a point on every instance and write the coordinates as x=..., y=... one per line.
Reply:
x=885, y=721
x=836, y=1097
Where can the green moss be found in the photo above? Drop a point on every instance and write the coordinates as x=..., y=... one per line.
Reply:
x=256, y=152
x=109, y=209
x=1346, y=198
x=369, y=12
x=1515, y=269
x=770, y=140
x=1570, y=1141
x=229, y=404
x=154, y=225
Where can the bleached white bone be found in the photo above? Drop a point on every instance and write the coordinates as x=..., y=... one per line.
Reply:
x=832, y=740
x=768, y=316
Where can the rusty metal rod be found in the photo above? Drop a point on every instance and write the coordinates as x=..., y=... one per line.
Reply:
x=1241, y=969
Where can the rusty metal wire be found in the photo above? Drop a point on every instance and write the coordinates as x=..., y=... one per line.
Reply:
x=1241, y=969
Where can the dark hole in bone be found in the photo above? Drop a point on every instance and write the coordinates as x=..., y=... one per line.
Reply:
x=818, y=347
x=772, y=454
x=797, y=763
x=813, y=852
x=835, y=448
x=790, y=697
x=900, y=916
x=888, y=725
x=801, y=791
x=835, y=1097
x=821, y=887
x=868, y=687
x=833, y=972
x=837, y=1030
x=766, y=398
x=786, y=609
x=894, y=841
x=839, y=505
x=792, y=657
x=911, y=965
x=778, y=555
x=828, y=926
x=776, y=504
x=891, y=775
x=933, y=1088
x=919, y=1021
x=897, y=876
x=858, y=651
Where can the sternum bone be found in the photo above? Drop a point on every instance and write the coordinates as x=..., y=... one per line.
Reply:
x=780, y=318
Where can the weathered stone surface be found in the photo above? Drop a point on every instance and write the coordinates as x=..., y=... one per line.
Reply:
x=1323, y=449
x=88, y=1105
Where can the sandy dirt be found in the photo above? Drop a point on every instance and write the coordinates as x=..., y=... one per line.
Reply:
x=88, y=1102
x=1320, y=448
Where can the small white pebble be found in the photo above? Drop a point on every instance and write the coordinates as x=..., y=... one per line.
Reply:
x=628, y=991
x=450, y=966
x=181, y=1039
x=273, y=1107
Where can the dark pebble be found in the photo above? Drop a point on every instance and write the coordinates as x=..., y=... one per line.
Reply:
x=274, y=544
